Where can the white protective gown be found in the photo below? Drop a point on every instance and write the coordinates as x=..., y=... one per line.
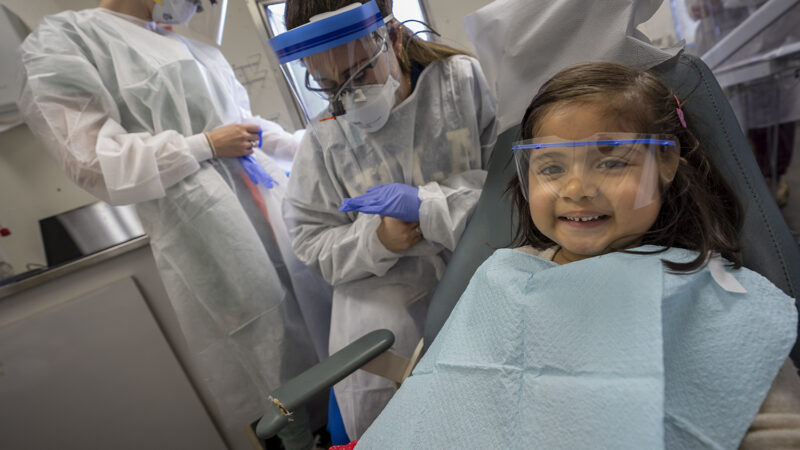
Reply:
x=438, y=139
x=122, y=104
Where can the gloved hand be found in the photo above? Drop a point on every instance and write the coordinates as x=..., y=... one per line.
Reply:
x=256, y=173
x=397, y=200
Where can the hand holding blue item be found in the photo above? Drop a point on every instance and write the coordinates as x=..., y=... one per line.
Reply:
x=256, y=173
x=397, y=200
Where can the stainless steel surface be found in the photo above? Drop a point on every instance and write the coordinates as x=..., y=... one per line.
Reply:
x=64, y=269
x=99, y=226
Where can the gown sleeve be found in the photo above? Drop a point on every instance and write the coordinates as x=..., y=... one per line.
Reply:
x=447, y=205
x=331, y=243
x=276, y=142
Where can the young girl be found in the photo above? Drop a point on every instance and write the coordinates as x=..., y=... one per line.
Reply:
x=617, y=324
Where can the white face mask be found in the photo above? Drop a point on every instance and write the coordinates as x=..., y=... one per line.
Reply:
x=369, y=106
x=174, y=12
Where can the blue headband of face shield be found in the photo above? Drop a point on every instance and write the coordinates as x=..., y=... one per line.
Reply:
x=327, y=33
x=612, y=142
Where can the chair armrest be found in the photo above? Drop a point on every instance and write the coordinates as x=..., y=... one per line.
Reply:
x=320, y=377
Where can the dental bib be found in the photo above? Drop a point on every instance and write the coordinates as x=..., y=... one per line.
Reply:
x=537, y=355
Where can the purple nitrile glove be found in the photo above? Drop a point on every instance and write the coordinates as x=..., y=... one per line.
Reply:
x=256, y=173
x=397, y=200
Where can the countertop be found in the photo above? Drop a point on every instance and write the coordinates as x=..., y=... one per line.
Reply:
x=72, y=266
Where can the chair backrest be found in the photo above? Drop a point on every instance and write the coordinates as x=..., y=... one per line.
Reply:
x=488, y=229
x=767, y=244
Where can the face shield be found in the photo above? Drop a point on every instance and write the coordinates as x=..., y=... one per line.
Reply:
x=207, y=26
x=627, y=169
x=345, y=57
x=210, y=23
x=175, y=12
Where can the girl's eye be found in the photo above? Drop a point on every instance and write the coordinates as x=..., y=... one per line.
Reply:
x=613, y=164
x=550, y=170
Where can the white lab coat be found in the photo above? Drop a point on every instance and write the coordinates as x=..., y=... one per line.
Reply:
x=438, y=139
x=523, y=43
x=122, y=104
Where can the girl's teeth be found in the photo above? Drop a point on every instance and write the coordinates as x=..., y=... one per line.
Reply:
x=582, y=219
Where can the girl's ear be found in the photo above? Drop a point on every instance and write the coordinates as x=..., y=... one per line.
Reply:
x=668, y=166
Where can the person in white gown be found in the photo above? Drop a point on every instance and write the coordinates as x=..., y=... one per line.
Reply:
x=135, y=113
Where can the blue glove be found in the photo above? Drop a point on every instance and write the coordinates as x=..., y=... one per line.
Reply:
x=256, y=173
x=397, y=200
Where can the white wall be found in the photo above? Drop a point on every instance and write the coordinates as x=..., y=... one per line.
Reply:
x=445, y=16
x=661, y=27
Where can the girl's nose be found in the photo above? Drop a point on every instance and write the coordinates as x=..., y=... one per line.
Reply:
x=578, y=187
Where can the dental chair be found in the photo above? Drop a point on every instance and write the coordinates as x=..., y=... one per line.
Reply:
x=767, y=244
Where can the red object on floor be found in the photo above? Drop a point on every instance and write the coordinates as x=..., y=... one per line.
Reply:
x=4, y=231
x=349, y=446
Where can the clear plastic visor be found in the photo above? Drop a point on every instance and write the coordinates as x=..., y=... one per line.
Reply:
x=612, y=165
x=345, y=74
x=208, y=24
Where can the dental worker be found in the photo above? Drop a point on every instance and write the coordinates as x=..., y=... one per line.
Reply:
x=385, y=180
x=135, y=113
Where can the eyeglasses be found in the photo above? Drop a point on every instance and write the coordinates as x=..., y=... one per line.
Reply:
x=336, y=92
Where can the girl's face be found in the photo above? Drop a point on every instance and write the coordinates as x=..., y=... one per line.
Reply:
x=585, y=218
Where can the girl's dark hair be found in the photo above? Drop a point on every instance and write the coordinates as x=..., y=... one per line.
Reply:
x=414, y=49
x=699, y=210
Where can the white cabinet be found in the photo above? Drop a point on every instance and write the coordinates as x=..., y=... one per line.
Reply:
x=95, y=371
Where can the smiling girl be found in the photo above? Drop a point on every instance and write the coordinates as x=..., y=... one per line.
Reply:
x=625, y=319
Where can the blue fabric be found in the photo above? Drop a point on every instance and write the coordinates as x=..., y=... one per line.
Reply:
x=335, y=424
x=255, y=172
x=397, y=200
x=327, y=33
x=540, y=355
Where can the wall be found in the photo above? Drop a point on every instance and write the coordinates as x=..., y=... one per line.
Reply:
x=661, y=27
x=445, y=16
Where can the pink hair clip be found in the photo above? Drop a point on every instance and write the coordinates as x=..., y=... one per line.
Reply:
x=680, y=111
